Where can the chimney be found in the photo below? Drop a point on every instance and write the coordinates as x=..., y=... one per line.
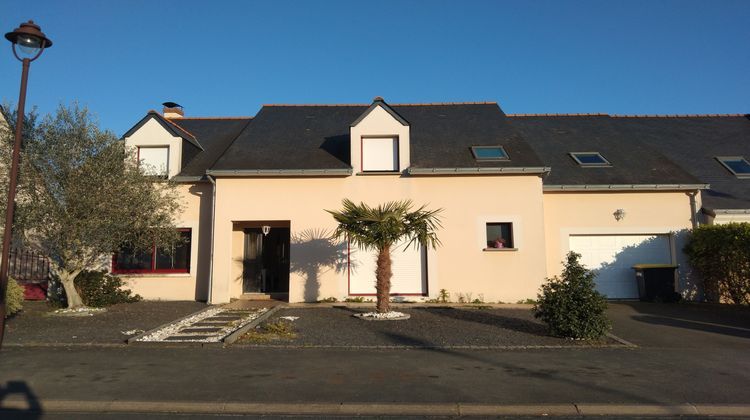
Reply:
x=172, y=110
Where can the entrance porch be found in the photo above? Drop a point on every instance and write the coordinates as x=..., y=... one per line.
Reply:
x=260, y=259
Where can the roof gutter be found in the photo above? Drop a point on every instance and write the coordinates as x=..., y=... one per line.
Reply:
x=627, y=187
x=479, y=171
x=187, y=178
x=278, y=172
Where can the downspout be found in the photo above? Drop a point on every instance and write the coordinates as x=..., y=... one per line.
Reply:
x=213, y=229
x=693, y=210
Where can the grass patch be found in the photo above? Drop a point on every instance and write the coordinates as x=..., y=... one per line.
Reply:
x=278, y=330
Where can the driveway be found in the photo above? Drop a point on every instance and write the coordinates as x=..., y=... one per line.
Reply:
x=682, y=325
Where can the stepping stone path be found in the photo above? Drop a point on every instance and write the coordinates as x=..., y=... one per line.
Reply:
x=209, y=326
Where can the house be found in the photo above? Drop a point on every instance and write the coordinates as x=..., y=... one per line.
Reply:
x=517, y=192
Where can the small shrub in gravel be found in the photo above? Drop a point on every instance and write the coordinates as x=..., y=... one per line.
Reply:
x=271, y=331
x=99, y=289
x=13, y=298
x=570, y=306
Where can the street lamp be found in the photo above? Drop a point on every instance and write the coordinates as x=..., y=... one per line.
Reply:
x=28, y=44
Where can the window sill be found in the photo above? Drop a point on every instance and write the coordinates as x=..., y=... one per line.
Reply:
x=376, y=173
x=152, y=274
x=499, y=249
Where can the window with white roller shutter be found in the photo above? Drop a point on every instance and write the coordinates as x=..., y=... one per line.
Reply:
x=408, y=267
x=154, y=160
x=380, y=154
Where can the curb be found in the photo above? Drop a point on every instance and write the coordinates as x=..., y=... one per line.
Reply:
x=377, y=409
x=231, y=338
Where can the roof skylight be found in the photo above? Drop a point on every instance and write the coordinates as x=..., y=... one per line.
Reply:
x=489, y=153
x=736, y=165
x=589, y=159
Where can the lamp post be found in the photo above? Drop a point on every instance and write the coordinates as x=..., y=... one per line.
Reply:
x=28, y=44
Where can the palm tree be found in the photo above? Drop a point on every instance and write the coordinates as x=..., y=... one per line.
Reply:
x=379, y=228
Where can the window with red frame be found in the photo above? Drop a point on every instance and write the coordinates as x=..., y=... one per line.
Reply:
x=155, y=260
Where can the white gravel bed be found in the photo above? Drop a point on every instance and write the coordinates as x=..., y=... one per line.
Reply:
x=387, y=316
x=174, y=329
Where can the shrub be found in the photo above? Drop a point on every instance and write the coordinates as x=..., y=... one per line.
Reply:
x=13, y=298
x=99, y=289
x=570, y=306
x=721, y=254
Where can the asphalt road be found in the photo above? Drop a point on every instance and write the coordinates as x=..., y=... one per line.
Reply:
x=682, y=357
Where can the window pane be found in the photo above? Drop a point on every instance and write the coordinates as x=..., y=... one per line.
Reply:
x=179, y=259
x=590, y=158
x=499, y=235
x=494, y=152
x=380, y=154
x=739, y=166
x=128, y=260
x=154, y=160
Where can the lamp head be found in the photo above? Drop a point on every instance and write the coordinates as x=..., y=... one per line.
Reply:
x=28, y=41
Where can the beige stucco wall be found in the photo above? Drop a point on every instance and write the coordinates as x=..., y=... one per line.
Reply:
x=379, y=123
x=460, y=265
x=567, y=213
x=152, y=134
x=196, y=215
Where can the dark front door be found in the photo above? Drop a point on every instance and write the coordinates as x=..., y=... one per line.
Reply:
x=266, y=262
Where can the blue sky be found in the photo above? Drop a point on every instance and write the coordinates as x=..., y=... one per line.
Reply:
x=122, y=58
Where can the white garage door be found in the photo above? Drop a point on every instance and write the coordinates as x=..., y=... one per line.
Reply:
x=408, y=267
x=613, y=256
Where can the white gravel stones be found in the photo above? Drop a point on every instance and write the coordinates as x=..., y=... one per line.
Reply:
x=82, y=311
x=289, y=318
x=175, y=333
x=387, y=316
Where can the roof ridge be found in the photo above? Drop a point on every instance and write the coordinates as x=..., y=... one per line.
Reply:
x=447, y=103
x=210, y=118
x=301, y=105
x=674, y=115
x=395, y=104
x=591, y=114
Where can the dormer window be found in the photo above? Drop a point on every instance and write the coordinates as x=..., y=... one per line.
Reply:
x=737, y=165
x=380, y=154
x=590, y=159
x=489, y=153
x=154, y=160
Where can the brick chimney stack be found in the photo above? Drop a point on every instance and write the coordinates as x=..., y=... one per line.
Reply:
x=172, y=110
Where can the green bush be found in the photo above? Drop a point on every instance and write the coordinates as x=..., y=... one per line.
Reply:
x=14, y=298
x=570, y=306
x=721, y=254
x=99, y=289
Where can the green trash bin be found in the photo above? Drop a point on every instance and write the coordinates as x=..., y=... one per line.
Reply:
x=656, y=282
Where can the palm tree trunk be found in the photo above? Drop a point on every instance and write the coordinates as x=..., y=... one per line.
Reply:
x=383, y=280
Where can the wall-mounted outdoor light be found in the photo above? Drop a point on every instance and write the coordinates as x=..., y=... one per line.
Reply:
x=619, y=214
x=266, y=230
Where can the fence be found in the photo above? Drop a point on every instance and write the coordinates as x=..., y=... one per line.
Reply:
x=28, y=266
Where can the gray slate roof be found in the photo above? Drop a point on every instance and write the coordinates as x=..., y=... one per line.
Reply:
x=214, y=134
x=317, y=137
x=632, y=161
x=693, y=143
x=642, y=150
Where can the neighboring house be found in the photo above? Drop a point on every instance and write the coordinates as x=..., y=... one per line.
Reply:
x=517, y=193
